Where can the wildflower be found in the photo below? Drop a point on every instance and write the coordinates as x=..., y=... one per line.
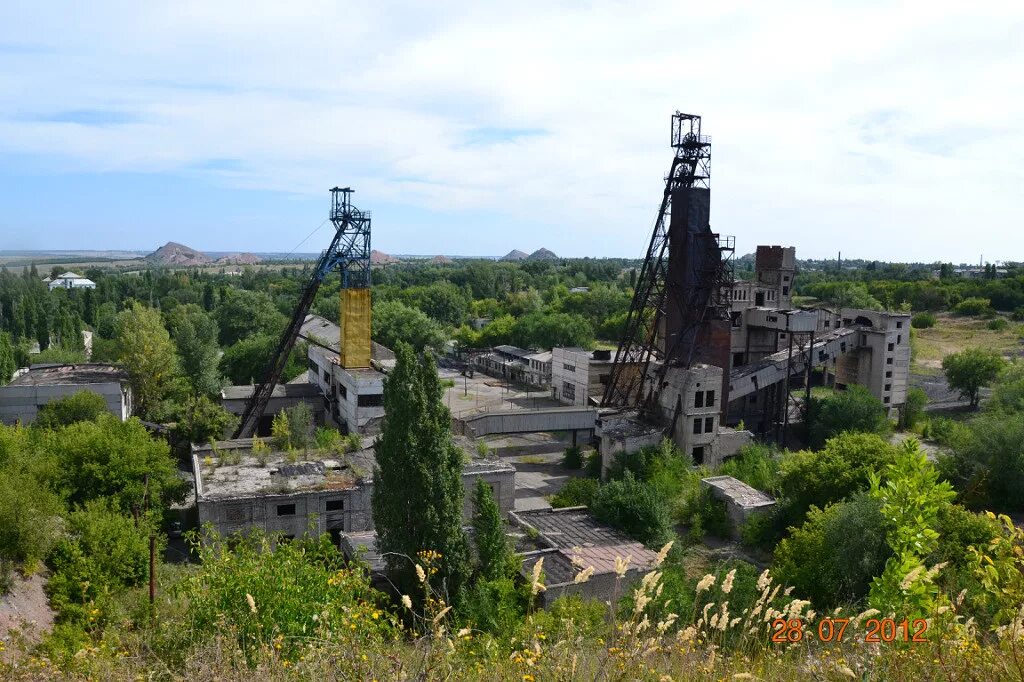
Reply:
x=584, y=575
x=464, y=632
x=846, y=671
x=252, y=603
x=727, y=583
x=909, y=579
x=407, y=601
x=622, y=565
x=663, y=553
x=763, y=581
x=705, y=583
x=420, y=574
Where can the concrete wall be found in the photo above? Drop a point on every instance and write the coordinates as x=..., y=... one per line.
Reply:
x=529, y=421
x=570, y=367
x=696, y=394
x=22, y=402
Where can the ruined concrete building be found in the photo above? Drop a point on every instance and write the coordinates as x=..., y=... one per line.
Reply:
x=238, y=489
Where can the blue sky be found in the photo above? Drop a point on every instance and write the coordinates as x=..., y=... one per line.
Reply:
x=884, y=130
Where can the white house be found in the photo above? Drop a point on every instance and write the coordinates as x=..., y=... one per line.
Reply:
x=71, y=280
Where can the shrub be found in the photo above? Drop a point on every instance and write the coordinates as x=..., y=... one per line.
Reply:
x=635, y=508
x=854, y=409
x=998, y=324
x=576, y=492
x=573, y=458
x=329, y=440
x=81, y=407
x=924, y=320
x=842, y=468
x=29, y=517
x=593, y=466
x=708, y=515
x=1018, y=314
x=755, y=465
x=973, y=306
x=986, y=465
x=912, y=411
x=300, y=426
x=832, y=558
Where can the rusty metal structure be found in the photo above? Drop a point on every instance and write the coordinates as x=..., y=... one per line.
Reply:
x=680, y=308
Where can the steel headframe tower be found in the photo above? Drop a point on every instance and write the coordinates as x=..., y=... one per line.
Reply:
x=350, y=253
x=353, y=257
x=683, y=281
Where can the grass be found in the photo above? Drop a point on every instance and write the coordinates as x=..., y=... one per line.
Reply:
x=952, y=334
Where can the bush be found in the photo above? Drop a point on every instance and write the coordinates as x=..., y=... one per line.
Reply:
x=1018, y=314
x=832, y=558
x=576, y=492
x=708, y=515
x=573, y=458
x=998, y=324
x=923, y=320
x=842, y=468
x=854, y=409
x=912, y=411
x=634, y=508
x=593, y=466
x=987, y=466
x=755, y=465
x=29, y=517
x=974, y=307
x=84, y=406
x=971, y=369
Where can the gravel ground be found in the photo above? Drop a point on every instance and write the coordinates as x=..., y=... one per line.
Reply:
x=25, y=611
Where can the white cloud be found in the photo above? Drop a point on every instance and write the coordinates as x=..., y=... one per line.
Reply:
x=886, y=130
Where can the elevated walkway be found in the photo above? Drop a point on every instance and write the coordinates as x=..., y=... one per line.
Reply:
x=527, y=421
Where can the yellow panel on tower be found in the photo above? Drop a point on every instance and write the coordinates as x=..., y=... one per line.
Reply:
x=355, y=328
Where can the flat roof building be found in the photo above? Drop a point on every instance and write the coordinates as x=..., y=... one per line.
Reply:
x=38, y=385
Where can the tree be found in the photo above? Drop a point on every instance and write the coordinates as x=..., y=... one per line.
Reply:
x=912, y=411
x=833, y=556
x=971, y=369
x=245, y=362
x=394, y=323
x=418, y=494
x=84, y=406
x=494, y=557
x=854, y=409
x=195, y=335
x=7, y=364
x=147, y=352
x=204, y=421
x=114, y=459
x=243, y=313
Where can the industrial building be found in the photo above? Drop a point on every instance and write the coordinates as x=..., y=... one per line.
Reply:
x=31, y=388
x=69, y=280
x=238, y=490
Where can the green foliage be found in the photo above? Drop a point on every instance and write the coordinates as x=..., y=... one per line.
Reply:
x=495, y=558
x=911, y=496
x=204, y=421
x=394, y=322
x=912, y=411
x=998, y=324
x=707, y=515
x=280, y=431
x=103, y=551
x=756, y=465
x=59, y=355
x=329, y=440
x=987, y=462
x=573, y=457
x=418, y=494
x=971, y=369
x=592, y=467
x=923, y=320
x=78, y=407
x=7, y=363
x=244, y=362
x=241, y=314
x=148, y=354
x=301, y=429
x=854, y=409
x=494, y=606
x=1008, y=392
x=195, y=335
x=575, y=493
x=29, y=514
x=843, y=295
x=282, y=598
x=833, y=557
x=973, y=306
x=843, y=467
x=110, y=458
x=635, y=508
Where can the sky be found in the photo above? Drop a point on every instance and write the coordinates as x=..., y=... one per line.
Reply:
x=884, y=130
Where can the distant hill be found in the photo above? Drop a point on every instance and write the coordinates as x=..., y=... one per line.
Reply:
x=515, y=254
x=239, y=259
x=381, y=258
x=542, y=254
x=173, y=253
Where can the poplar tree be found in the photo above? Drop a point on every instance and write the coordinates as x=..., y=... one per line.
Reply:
x=418, y=494
x=494, y=557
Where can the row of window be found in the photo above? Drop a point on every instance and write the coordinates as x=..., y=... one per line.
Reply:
x=569, y=391
x=703, y=425
x=337, y=504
